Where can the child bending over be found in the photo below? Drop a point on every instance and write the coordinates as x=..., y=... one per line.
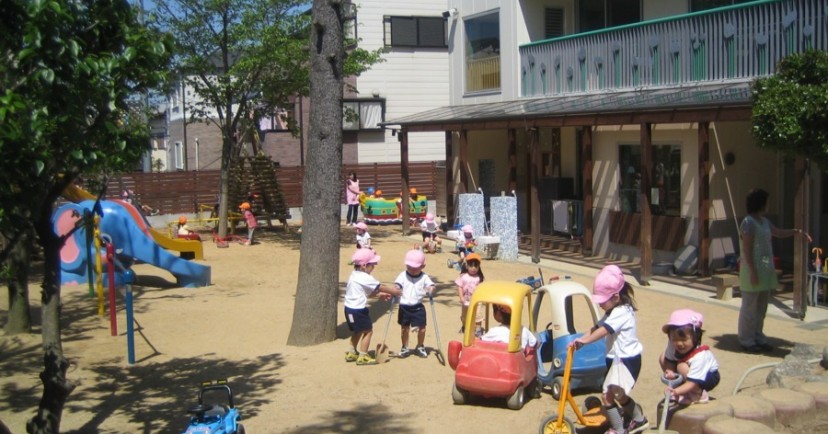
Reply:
x=686, y=355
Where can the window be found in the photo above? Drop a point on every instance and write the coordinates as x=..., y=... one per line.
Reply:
x=600, y=14
x=553, y=23
x=483, y=52
x=363, y=114
x=179, y=156
x=420, y=32
x=701, y=5
x=349, y=25
x=665, y=185
x=278, y=121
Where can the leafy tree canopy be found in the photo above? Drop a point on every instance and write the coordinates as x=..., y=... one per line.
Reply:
x=790, y=109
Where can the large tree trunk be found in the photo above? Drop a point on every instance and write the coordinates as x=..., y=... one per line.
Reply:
x=56, y=388
x=20, y=318
x=314, y=312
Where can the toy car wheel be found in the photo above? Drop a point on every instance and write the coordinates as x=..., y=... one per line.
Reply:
x=592, y=402
x=240, y=429
x=549, y=424
x=448, y=262
x=517, y=399
x=557, y=387
x=458, y=395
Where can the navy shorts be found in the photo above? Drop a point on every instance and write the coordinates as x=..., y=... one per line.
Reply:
x=710, y=381
x=412, y=315
x=429, y=235
x=358, y=320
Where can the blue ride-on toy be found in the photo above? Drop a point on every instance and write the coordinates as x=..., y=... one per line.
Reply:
x=214, y=418
x=589, y=363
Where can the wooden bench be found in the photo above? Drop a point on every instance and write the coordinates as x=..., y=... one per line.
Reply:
x=724, y=285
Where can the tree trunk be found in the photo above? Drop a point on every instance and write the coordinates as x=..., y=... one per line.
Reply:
x=224, y=185
x=56, y=388
x=314, y=312
x=20, y=317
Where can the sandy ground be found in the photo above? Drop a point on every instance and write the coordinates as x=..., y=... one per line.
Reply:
x=237, y=329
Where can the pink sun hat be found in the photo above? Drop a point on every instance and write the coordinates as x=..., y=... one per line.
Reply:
x=365, y=257
x=415, y=259
x=683, y=317
x=361, y=225
x=608, y=282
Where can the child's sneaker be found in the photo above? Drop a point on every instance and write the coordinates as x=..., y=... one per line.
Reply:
x=351, y=356
x=421, y=351
x=404, y=352
x=637, y=426
x=366, y=359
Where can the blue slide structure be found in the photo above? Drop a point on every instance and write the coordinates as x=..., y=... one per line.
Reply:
x=127, y=229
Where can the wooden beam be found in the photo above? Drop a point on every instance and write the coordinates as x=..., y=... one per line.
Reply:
x=646, y=242
x=512, y=152
x=588, y=225
x=450, y=187
x=464, y=160
x=704, y=198
x=534, y=170
x=800, y=221
x=405, y=197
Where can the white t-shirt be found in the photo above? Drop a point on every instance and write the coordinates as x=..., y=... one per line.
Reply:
x=414, y=288
x=700, y=363
x=430, y=227
x=364, y=240
x=622, y=340
x=360, y=285
x=501, y=334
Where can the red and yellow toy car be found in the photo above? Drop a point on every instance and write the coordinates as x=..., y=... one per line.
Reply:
x=496, y=369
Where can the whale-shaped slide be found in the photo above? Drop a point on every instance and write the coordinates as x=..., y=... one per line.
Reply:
x=123, y=224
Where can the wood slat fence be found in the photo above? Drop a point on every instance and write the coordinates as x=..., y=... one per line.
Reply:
x=183, y=192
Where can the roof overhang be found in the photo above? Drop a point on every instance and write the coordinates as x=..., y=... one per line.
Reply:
x=708, y=102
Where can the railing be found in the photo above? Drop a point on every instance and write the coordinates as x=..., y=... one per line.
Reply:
x=730, y=43
x=483, y=74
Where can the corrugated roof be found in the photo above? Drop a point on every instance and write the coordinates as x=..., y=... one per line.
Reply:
x=700, y=96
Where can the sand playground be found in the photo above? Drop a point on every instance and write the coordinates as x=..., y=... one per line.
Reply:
x=237, y=329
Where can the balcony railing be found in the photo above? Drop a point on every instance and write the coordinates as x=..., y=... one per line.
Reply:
x=483, y=74
x=730, y=43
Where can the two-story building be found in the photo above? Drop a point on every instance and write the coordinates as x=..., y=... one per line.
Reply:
x=632, y=115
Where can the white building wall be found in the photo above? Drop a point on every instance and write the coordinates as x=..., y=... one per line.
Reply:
x=412, y=80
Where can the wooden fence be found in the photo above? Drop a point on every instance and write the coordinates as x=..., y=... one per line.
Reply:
x=183, y=192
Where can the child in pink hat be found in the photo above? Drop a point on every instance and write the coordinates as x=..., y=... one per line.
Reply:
x=363, y=238
x=686, y=355
x=414, y=285
x=429, y=229
x=361, y=285
x=618, y=326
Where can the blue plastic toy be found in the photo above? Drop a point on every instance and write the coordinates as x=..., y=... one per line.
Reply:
x=214, y=418
x=588, y=365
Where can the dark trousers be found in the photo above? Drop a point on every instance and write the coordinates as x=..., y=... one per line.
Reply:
x=353, y=213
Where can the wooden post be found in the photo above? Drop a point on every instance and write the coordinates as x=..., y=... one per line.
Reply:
x=800, y=246
x=464, y=160
x=405, y=198
x=512, y=139
x=646, y=241
x=534, y=149
x=586, y=154
x=704, y=198
x=450, y=187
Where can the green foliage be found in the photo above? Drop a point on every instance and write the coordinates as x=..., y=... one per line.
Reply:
x=790, y=109
x=70, y=70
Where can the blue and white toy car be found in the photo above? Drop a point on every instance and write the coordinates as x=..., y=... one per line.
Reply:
x=214, y=418
x=567, y=298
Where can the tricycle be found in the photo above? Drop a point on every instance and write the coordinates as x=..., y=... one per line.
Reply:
x=214, y=418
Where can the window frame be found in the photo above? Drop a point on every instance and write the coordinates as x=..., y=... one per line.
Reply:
x=359, y=102
x=387, y=34
x=179, y=155
x=629, y=193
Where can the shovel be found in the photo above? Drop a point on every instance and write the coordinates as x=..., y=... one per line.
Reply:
x=382, y=349
x=439, y=350
x=672, y=383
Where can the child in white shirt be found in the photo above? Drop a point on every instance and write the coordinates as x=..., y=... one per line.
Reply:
x=686, y=355
x=500, y=333
x=363, y=238
x=414, y=285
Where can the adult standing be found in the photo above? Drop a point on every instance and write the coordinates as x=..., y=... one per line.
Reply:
x=352, y=198
x=757, y=273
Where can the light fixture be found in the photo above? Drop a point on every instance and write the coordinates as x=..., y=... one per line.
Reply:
x=451, y=13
